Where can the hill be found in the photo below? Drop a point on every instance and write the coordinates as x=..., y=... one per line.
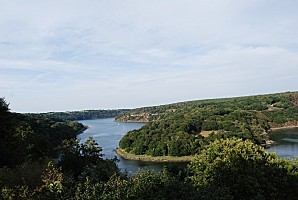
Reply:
x=185, y=128
x=79, y=115
x=26, y=138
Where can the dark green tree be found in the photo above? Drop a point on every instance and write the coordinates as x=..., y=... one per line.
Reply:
x=85, y=159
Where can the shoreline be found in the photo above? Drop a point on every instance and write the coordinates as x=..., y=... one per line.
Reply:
x=162, y=159
x=283, y=128
x=128, y=156
x=270, y=143
x=131, y=121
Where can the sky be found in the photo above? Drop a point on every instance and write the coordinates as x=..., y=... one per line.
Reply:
x=64, y=55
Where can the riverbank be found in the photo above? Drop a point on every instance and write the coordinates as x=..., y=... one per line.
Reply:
x=283, y=128
x=270, y=143
x=147, y=158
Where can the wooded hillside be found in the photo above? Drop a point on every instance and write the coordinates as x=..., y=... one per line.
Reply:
x=79, y=115
x=26, y=138
x=185, y=128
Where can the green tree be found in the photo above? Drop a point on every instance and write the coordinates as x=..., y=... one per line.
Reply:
x=149, y=185
x=241, y=169
x=75, y=156
x=125, y=142
x=85, y=160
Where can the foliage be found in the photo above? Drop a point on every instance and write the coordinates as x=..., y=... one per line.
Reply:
x=227, y=168
x=52, y=178
x=174, y=130
x=148, y=185
x=26, y=138
x=87, y=174
x=79, y=115
x=241, y=169
x=23, y=174
x=85, y=160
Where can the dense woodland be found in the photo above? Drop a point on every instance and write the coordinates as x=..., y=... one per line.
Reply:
x=180, y=129
x=226, y=169
x=25, y=138
x=79, y=115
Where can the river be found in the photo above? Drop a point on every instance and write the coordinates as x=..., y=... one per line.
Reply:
x=287, y=142
x=108, y=133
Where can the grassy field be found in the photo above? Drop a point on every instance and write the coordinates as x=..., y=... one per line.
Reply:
x=129, y=156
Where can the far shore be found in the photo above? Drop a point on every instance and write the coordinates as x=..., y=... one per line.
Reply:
x=131, y=121
x=147, y=158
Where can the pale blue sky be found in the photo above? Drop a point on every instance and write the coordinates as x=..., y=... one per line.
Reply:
x=64, y=55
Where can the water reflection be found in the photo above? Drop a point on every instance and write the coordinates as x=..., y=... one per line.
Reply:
x=108, y=133
x=287, y=142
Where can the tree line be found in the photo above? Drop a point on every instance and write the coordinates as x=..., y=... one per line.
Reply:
x=79, y=115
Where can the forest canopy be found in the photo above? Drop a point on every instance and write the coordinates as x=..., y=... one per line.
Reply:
x=79, y=115
x=25, y=138
x=185, y=128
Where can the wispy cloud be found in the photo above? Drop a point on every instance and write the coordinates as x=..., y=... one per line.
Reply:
x=70, y=55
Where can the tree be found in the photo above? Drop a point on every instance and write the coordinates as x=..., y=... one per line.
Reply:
x=3, y=106
x=5, y=129
x=85, y=160
x=149, y=185
x=125, y=142
x=75, y=156
x=241, y=169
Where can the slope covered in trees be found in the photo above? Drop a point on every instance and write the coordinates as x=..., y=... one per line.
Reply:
x=25, y=138
x=80, y=115
x=185, y=128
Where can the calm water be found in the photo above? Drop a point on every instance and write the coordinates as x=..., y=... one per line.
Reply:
x=287, y=142
x=107, y=134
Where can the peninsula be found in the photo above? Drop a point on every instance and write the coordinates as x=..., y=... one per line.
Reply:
x=181, y=130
